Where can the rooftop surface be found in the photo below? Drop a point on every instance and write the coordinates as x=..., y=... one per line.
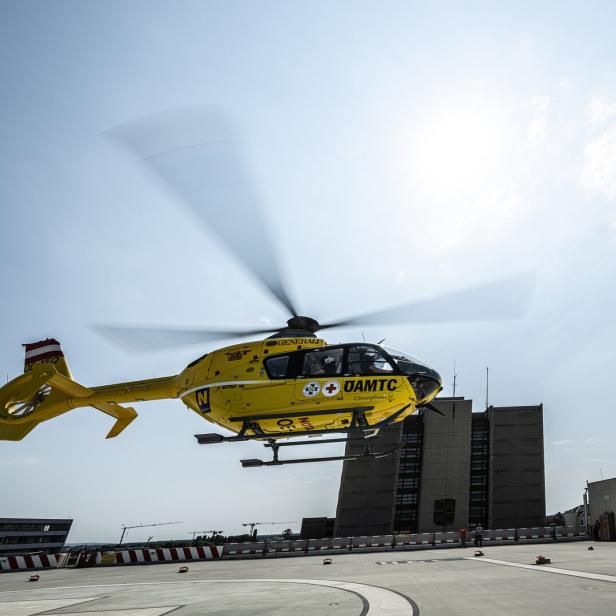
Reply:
x=430, y=582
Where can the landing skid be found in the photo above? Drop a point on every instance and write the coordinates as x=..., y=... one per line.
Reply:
x=358, y=422
x=275, y=461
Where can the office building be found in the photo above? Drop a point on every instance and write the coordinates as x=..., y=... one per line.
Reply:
x=24, y=535
x=602, y=509
x=317, y=528
x=456, y=469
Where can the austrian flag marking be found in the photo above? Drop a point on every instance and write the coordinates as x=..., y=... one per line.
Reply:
x=311, y=389
x=45, y=349
x=331, y=388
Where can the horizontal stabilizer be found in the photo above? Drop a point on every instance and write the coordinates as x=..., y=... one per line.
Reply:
x=124, y=415
x=15, y=432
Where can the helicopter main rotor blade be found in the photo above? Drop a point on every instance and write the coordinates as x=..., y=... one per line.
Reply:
x=152, y=339
x=503, y=299
x=195, y=153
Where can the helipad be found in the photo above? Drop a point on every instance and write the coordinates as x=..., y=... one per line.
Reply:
x=431, y=582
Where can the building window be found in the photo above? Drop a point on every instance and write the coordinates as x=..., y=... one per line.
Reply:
x=478, y=497
x=409, y=471
x=444, y=512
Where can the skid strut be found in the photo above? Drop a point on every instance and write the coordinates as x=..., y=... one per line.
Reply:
x=358, y=422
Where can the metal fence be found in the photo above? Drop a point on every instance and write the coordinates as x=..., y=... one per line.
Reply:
x=415, y=541
x=298, y=547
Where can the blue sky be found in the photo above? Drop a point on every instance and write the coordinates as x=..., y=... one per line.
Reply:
x=400, y=150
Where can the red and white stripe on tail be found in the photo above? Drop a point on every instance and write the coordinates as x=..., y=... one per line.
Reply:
x=46, y=351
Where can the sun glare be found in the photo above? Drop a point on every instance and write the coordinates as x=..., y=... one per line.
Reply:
x=458, y=148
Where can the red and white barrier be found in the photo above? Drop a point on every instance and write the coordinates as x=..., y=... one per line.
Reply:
x=145, y=555
x=290, y=547
x=372, y=542
x=28, y=561
x=161, y=555
x=245, y=550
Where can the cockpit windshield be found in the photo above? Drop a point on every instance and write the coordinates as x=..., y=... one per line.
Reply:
x=426, y=381
x=407, y=363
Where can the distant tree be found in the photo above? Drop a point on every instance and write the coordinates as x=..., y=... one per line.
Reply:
x=238, y=538
x=287, y=533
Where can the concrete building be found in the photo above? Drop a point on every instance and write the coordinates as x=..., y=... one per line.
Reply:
x=602, y=508
x=449, y=471
x=317, y=528
x=23, y=535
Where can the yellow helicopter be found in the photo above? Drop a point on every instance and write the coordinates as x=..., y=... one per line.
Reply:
x=290, y=384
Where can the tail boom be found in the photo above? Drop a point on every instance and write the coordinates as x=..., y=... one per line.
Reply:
x=43, y=393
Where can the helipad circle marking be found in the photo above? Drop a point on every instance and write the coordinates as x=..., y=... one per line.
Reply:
x=376, y=601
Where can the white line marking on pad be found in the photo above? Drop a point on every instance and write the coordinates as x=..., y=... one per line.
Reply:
x=581, y=574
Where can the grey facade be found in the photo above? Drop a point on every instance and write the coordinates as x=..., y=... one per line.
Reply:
x=517, y=483
x=367, y=488
x=451, y=470
x=446, y=463
x=601, y=499
x=602, y=509
x=317, y=528
x=23, y=535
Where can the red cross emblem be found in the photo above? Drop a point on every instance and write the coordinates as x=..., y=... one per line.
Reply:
x=331, y=388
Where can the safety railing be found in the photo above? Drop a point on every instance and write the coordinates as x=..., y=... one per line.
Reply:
x=297, y=547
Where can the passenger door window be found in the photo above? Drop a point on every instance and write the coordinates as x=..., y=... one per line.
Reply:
x=277, y=366
x=366, y=359
x=324, y=362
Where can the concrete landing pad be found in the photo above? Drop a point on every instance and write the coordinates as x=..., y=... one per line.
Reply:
x=432, y=582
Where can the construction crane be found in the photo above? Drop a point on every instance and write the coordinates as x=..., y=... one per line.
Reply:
x=125, y=528
x=196, y=532
x=253, y=524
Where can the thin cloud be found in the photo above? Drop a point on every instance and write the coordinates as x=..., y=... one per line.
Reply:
x=537, y=128
x=598, y=177
x=20, y=461
x=599, y=110
x=539, y=103
x=563, y=442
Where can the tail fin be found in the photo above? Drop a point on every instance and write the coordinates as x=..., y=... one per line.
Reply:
x=46, y=351
x=47, y=390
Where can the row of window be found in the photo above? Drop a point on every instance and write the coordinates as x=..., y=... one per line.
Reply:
x=17, y=526
x=19, y=540
x=331, y=361
x=408, y=482
x=406, y=498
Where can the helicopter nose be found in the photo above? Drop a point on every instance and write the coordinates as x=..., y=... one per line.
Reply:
x=426, y=383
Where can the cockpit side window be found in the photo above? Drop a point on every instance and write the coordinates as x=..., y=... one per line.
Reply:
x=324, y=362
x=277, y=366
x=367, y=359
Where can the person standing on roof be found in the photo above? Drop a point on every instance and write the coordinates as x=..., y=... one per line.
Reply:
x=463, y=532
x=478, y=536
